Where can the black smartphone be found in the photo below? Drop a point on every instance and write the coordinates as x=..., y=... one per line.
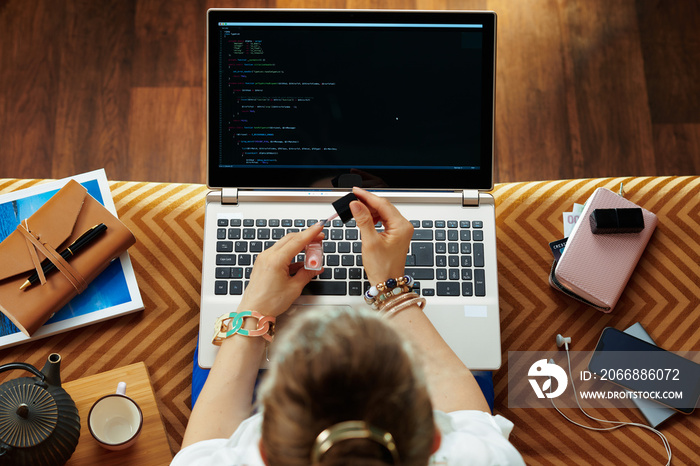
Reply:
x=652, y=372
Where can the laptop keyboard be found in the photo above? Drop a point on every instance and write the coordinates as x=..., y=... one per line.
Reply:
x=446, y=257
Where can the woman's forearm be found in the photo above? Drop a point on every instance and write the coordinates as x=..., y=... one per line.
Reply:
x=226, y=398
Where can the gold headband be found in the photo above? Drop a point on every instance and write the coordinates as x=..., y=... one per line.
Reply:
x=349, y=430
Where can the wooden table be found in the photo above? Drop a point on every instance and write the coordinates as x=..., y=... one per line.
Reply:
x=151, y=448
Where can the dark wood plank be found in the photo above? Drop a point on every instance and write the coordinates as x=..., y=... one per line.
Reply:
x=608, y=76
x=382, y=4
x=307, y=4
x=670, y=42
x=531, y=96
x=672, y=71
x=169, y=44
x=677, y=148
x=29, y=72
x=240, y=4
x=159, y=149
x=94, y=88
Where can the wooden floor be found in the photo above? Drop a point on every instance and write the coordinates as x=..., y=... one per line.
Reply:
x=585, y=88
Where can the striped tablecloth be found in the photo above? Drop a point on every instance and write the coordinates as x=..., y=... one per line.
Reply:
x=663, y=294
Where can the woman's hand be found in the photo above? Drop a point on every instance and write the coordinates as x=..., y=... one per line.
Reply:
x=275, y=281
x=383, y=254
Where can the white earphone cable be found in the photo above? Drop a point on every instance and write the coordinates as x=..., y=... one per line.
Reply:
x=617, y=425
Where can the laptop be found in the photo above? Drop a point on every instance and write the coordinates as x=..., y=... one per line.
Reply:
x=304, y=104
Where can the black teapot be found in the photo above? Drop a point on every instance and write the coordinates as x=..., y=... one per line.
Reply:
x=39, y=422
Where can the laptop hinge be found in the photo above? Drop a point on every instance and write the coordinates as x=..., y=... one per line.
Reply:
x=229, y=196
x=470, y=198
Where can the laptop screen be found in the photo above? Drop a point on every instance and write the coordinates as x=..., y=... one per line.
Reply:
x=395, y=99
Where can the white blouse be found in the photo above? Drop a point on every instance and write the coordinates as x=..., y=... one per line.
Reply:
x=468, y=437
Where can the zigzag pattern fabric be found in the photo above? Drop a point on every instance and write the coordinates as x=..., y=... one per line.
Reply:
x=663, y=294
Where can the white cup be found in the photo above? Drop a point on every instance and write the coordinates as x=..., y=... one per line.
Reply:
x=115, y=420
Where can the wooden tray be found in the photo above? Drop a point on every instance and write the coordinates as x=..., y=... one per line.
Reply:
x=151, y=448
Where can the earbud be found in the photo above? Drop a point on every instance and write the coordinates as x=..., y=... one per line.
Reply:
x=563, y=341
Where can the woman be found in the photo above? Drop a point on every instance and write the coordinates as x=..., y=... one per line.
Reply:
x=345, y=387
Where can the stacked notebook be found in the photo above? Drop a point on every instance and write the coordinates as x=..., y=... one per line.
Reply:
x=64, y=259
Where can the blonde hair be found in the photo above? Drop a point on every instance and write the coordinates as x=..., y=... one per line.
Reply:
x=340, y=365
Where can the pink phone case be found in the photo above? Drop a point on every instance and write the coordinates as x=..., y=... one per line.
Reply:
x=596, y=268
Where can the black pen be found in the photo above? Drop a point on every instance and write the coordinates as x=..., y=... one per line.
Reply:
x=86, y=238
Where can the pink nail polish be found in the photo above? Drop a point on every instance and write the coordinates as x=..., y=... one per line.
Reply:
x=313, y=256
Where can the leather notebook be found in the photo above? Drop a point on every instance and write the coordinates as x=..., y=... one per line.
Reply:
x=54, y=226
x=595, y=268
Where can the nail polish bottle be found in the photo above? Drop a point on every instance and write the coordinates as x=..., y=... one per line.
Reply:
x=313, y=256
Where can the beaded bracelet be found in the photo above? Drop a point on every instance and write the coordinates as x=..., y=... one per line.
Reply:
x=265, y=329
x=378, y=301
x=391, y=283
x=385, y=290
